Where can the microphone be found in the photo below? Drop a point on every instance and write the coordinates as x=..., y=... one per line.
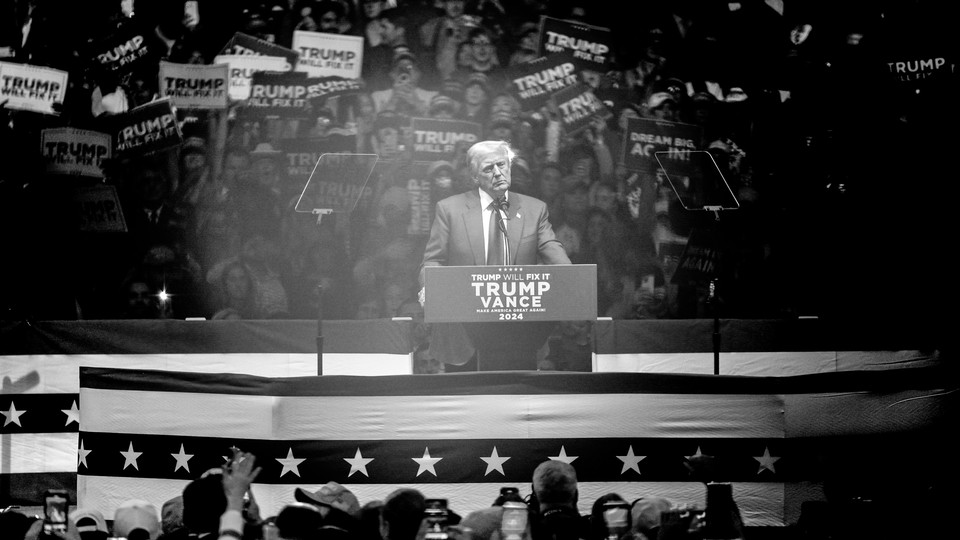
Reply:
x=504, y=205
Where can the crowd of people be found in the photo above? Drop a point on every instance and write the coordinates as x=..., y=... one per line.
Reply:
x=776, y=88
x=220, y=503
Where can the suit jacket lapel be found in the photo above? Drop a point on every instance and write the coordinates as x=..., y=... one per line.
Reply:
x=473, y=221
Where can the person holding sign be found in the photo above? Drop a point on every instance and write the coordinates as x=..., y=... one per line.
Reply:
x=492, y=225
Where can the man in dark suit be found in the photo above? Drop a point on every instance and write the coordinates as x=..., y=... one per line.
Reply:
x=463, y=235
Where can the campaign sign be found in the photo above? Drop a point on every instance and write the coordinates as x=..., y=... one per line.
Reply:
x=578, y=106
x=32, y=88
x=74, y=151
x=123, y=51
x=98, y=209
x=321, y=88
x=195, y=86
x=301, y=155
x=146, y=129
x=242, y=67
x=588, y=46
x=245, y=44
x=278, y=94
x=562, y=292
x=645, y=136
x=436, y=140
x=533, y=82
x=323, y=55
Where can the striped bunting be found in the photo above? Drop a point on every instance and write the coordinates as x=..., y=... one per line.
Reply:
x=462, y=436
x=39, y=375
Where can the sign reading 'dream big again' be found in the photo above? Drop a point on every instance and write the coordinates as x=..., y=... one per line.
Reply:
x=556, y=292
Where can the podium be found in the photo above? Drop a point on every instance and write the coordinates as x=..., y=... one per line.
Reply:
x=509, y=311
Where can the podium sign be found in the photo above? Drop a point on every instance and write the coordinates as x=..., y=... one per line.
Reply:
x=563, y=292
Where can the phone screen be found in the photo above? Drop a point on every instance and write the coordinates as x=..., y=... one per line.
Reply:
x=54, y=512
x=616, y=516
x=436, y=518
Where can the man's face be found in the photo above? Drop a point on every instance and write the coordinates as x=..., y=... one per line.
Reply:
x=329, y=22
x=453, y=8
x=475, y=94
x=492, y=173
x=388, y=139
x=482, y=48
x=501, y=104
x=372, y=8
x=406, y=72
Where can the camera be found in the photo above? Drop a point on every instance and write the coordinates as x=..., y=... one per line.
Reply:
x=436, y=515
x=513, y=524
x=55, y=502
x=617, y=518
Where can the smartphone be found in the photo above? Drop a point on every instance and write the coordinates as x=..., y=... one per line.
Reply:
x=616, y=517
x=55, y=505
x=436, y=515
x=191, y=13
x=647, y=283
x=513, y=524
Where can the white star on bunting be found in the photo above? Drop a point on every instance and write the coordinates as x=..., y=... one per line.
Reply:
x=426, y=462
x=358, y=463
x=766, y=461
x=183, y=460
x=82, y=454
x=494, y=462
x=631, y=461
x=130, y=457
x=12, y=416
x=73, y=414
x=563, y=456
x=290, y=463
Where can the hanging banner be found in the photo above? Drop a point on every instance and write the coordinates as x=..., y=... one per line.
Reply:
x=578, y=106
x=123, y=51
x=32, y=88
x=323, y=55
x=74, y=151
x=645, y=136
x=98, y=209
x=245, y=44
x=437, y=140
x=588, y=46
x=195, y=86
x=242, y=68
x=533, y=82
x=147, y=129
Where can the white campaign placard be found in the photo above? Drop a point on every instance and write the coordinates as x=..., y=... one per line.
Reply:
x=74, y=151
x=31, y=88
x=243, y=66
x=195, y=86
x=323, y=55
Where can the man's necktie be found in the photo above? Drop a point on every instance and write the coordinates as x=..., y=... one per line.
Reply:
x=498, y=251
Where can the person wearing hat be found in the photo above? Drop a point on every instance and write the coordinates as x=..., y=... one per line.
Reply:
x=405, y=95
x=500, y=127
x=444, y=107
x=476, y=97
x=662, y=106
x=136, y=520
x=466, y=232
x=529, y=35
x=90, y=524
x=386, y=134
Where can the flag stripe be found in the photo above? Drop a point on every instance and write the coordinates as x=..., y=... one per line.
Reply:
x=42, y=413
x=514, y=382
x=472, y=461
x=38, y=452
x=453, y=416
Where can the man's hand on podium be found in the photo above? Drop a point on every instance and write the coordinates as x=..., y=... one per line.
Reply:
x=420, y=296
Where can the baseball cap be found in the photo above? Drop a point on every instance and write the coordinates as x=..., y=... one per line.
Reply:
x=331, y=495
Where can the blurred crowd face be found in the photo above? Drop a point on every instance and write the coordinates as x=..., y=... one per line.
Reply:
x=482, y=48
x=372, y=8
x=453, y=8
x=606, y=199
x=475, y=95
x=549, y=183
x=405, y=72
x=237, y=283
